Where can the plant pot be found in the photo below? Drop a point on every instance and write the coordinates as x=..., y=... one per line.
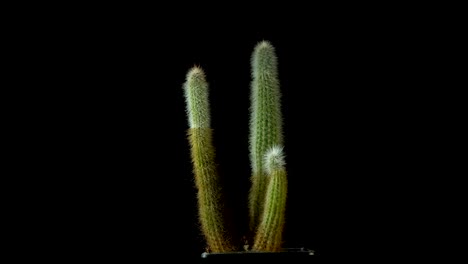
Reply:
x=287, y=255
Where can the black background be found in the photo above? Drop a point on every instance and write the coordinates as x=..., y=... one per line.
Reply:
x=121, y=126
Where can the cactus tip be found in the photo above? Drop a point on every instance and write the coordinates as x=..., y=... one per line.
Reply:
x=274, y=159
x=264, y=44
x=196, y=72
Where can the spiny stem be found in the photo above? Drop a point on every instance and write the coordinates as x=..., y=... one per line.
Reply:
x=265, y=122
x=269, y=233
x=204, y=166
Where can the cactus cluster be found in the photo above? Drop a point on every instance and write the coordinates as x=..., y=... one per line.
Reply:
x=267, y=196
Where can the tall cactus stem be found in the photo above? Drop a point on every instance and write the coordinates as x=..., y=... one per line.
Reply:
x=204, y=166
x=265, y=123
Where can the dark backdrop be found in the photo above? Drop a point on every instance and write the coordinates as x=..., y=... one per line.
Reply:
x=132, y=184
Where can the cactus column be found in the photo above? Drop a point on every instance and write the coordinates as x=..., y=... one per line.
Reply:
x=270, y=230
x=265, y=124
x=203, y=158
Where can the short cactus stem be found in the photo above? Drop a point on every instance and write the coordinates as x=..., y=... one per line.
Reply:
x=269, y=233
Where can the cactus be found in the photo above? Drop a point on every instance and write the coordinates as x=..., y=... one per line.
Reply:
x=265, y=122
x=203, y=158
x=267, y=196
x=269, y=234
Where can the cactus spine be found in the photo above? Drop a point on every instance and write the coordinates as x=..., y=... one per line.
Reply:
x=203, y=159
x=265, y=123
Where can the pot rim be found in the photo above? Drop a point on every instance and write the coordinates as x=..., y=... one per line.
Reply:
x=285, y=251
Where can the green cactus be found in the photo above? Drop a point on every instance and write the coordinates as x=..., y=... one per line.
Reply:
x=267, y=196
x=269, y=234
x=265, y=122
x=203, y=158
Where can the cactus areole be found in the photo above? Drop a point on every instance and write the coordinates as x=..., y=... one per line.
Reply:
x=268, y=192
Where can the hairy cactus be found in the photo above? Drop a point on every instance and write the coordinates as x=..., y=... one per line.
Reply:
x=267, y=196
x=203, y=158
x=269, y=234
x=265, y=123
